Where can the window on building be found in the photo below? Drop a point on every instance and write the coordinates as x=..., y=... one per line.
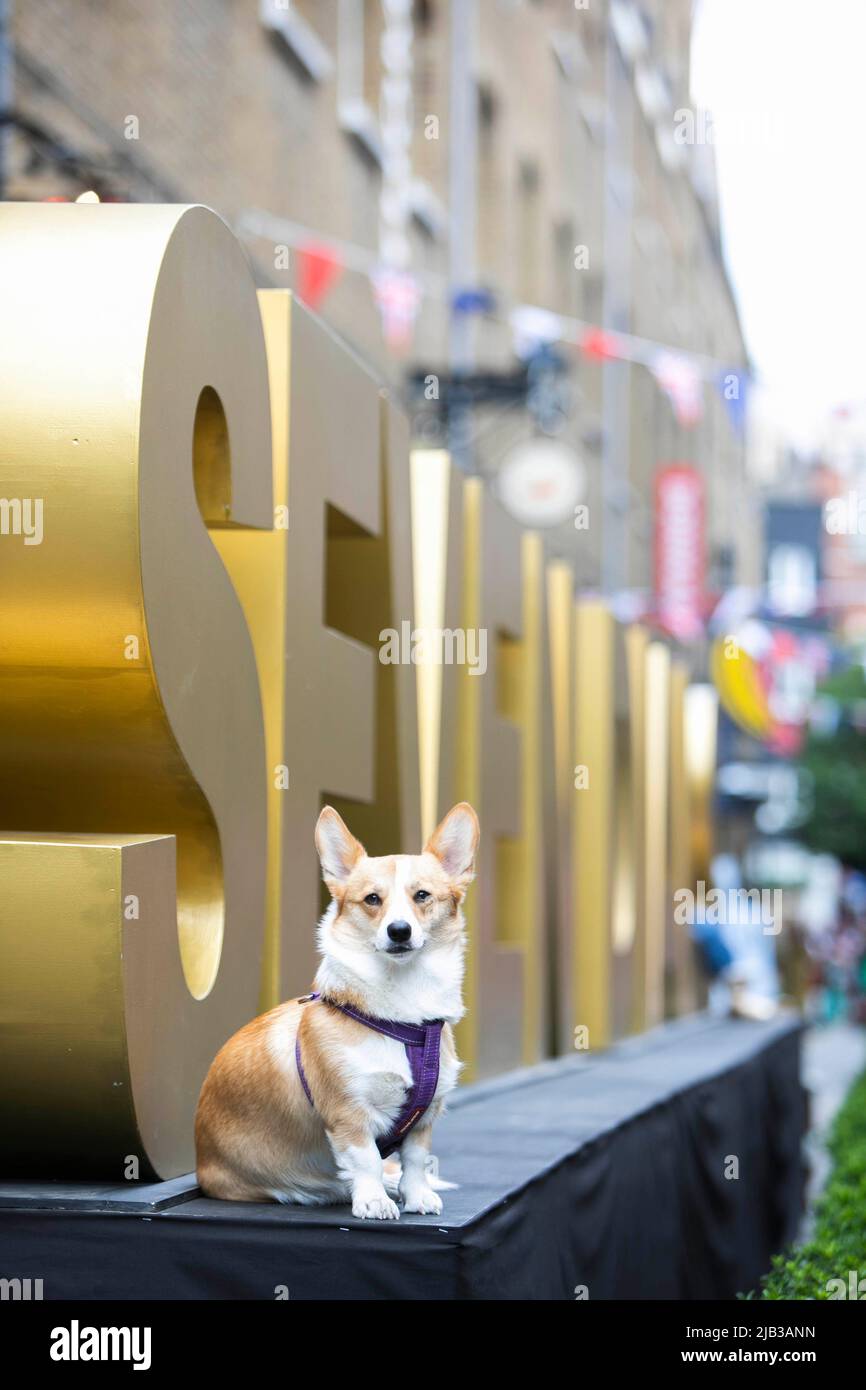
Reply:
x=359, y=80
x=792, y=581
x=529, y=249
x=566, y=277
x=359, y=72
x=311, y=11
x=372, y=52
x=424, y=14
x=486, y=108
x=293, y=25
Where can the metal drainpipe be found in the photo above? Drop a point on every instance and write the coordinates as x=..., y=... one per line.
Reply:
x=463, y=192
x=5, y=86
x=616, y=425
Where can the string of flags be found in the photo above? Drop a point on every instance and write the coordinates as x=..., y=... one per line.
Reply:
x=680, y=375
x=399, y=292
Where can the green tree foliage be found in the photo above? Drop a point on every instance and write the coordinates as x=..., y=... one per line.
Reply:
x=837, y=765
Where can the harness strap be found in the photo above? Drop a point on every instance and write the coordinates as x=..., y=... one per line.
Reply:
x=421, y=1041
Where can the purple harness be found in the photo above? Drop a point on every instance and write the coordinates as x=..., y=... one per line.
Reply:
x=421, y=1041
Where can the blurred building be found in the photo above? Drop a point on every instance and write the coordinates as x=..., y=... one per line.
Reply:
x=840, y=486
x=546, y=171
x=828, y=479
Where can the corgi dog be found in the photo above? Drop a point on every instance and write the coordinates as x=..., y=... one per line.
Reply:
x=305, y=1103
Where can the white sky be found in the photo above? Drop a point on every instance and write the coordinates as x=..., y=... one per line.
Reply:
x=786, y=82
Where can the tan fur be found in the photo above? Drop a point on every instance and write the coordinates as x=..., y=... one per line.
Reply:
x=440, y=913
x=257, y=1136
x=247, y=1099
x=252, y=1100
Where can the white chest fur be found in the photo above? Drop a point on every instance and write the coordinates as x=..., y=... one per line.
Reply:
x=379, y=1077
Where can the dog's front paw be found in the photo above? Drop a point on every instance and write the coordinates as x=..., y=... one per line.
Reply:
x=423, y=1200
x=374, y=1206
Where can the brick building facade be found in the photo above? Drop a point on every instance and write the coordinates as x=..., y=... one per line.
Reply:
x=268, y=111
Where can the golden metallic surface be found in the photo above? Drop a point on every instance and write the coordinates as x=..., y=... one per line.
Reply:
x=432, y=488
x=318, y=685
x=490, y=773
x=438, y=534
x=682, y=995
x=227, y=506
x=521, y=885
x=701, y=730
x=537, y=749
x=132, y=388
x=560, y=607
x=370, y=596
x=559, y=776
x=656, y=830
x=97, y=1019
x=475, y=571
x=615, y=756
x=628, y=861
x=593, y=820
x=467, y=768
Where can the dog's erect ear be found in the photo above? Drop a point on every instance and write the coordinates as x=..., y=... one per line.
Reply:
x=455, y=843
x=338, y=849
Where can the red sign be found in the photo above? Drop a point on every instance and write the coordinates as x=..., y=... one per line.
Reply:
x=680, y=550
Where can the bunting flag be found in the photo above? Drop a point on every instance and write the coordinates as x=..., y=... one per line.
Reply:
x=683, y=385
x=398, y=297
x=600, y=346
x=533, y=329
x=733, y=385
x=319, y=269
x=398, y=293
x=476, y=299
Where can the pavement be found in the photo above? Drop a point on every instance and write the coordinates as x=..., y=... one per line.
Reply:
x=833, y=1056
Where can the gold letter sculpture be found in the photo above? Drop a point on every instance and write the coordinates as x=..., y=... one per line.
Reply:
x=134, y=409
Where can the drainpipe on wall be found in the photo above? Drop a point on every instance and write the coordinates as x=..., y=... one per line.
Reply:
x=463, y=194
x=5, y=87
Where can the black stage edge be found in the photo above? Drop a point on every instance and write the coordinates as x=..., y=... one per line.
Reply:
x=600, y=1174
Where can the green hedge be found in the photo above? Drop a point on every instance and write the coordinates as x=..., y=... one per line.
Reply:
x=838, y=1244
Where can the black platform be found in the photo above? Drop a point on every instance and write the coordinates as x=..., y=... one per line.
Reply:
x=605, y=1175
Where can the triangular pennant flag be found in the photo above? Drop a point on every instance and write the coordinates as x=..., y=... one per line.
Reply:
x=475, y=299
x=533, y=329
x=398, y=296
x=319, y=268
x=600, y=345
x=734, y=385
x=682, y=383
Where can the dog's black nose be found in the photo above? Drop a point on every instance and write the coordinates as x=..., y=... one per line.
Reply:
x=399, y=931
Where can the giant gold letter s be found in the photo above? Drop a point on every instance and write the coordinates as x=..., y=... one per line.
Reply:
x=133, y=408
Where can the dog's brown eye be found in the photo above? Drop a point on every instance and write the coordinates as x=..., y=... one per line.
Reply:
x=422, y=895
x=373, y=900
